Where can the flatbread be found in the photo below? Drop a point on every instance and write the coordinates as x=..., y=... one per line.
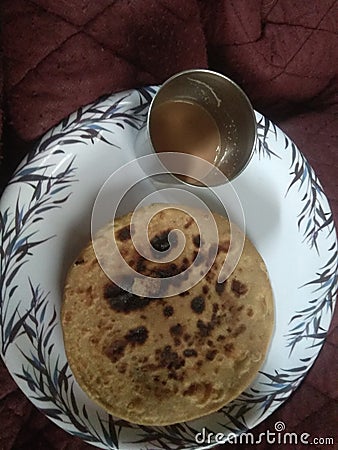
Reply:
x=159, y=361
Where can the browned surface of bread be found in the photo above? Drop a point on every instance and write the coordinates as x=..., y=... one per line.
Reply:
x=163, y=360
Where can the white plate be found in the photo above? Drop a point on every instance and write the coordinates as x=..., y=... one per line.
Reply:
x=45, y=220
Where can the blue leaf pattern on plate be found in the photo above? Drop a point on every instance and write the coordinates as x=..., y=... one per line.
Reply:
x=49, y=380
x=52, y=383
x=312, y=219
x=265, y=128
x=306, y=323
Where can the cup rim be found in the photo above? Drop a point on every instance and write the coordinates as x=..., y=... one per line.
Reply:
x=228, y=80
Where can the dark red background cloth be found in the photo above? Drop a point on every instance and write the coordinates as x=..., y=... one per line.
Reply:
x=62, y=54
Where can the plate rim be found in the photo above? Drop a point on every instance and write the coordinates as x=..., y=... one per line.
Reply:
x=263, y=151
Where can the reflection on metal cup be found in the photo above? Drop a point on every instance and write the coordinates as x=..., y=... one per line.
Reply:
x=204, y=114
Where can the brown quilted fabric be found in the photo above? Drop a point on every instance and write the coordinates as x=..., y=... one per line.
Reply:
x=63, y=54
x=59, y=55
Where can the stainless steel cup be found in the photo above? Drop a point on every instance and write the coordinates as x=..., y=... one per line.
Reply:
x=228, y=105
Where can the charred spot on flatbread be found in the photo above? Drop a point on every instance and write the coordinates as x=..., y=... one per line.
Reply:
x=124, y=233
x=155, y=359
x=122, y=300
x=198, y=304
x=238, y=287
